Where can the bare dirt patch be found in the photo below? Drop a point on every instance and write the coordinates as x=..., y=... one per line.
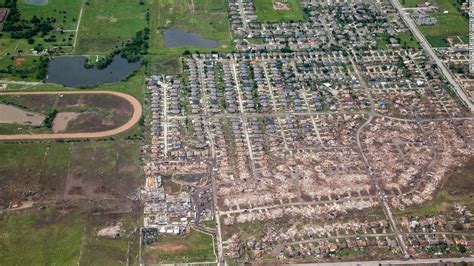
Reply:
x=13, y=115
x=62, y=120
x=280, y=6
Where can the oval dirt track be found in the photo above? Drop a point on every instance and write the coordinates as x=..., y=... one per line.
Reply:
x=137, y=113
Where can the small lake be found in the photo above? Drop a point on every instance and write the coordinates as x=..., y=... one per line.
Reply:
x=37, y=2
x=176, y=38
x=70, y=71
x=13, y=115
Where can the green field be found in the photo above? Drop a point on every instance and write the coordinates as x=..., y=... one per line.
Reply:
x=452, y=24
x=66, y=12
x=65, y=236
x=408, y=40
x=106, y=24
x=194, y=246
x=208, y=18
x=267, y=13
x=40, y=238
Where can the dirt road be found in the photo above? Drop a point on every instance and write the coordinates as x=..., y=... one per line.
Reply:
x=137, y=113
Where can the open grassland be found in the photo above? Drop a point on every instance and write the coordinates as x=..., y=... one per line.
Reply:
x=73, y=170
x=66, y=12
x=452, y=24
x=267, y=13
x=106, y=24
x=208, y=18
x=67, y=235
x=107, y=250
x=43, y=237
x=194, y=246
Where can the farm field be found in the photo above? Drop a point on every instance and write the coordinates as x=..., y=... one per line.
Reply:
x=452, y=24
x=194, y=246
x=107, y=24
x=267, y=13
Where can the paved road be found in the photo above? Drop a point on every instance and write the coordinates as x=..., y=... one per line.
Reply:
x=137, y=114
x=294, y=204
x=165, y=117
x=381, y=193
x=421, y=38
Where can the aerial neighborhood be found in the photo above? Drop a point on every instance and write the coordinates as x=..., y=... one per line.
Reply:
x=226, y=132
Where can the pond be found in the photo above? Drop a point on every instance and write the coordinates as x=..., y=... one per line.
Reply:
x=71, y=72
x=13, y=115
x=37, y=2
x=176, y=38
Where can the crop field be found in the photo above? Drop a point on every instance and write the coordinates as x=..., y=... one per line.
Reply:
x=452, y=24
x=208, y=18
x=108, y=23
x=194, y=246
x=267, y=13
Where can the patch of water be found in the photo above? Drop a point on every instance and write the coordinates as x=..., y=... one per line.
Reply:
x=176, y=38
x=71, y=72
x=37, y=2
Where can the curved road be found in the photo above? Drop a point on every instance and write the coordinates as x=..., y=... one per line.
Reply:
x=137, y=113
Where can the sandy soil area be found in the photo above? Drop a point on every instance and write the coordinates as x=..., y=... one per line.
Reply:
x=62, y=120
